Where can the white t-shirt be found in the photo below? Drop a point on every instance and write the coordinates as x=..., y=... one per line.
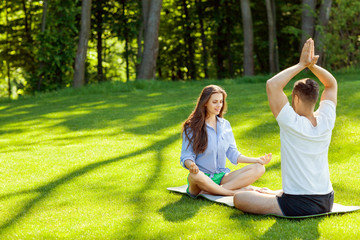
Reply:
x=304, y=150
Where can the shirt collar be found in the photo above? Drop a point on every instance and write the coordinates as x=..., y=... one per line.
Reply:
x=220, y=120
x=219, y=123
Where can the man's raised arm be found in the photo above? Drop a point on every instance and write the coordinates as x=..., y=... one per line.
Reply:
x=275, y=85
x=330, y=84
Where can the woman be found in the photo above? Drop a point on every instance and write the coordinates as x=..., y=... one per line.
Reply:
x=207, y=142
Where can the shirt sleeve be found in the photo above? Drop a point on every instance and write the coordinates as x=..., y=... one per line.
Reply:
x=287, y=116
x=327, y=109
x=232, y=152
x=187, y=151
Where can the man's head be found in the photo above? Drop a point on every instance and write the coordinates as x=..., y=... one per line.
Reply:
x=305, y=94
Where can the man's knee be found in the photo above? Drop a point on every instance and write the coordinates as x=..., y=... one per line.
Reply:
x=241, y=200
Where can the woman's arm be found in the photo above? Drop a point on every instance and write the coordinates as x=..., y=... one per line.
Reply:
x=187, y=153
x=193, y=168
x=261, y=160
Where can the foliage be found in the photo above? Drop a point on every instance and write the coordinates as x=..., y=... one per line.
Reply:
x=125, y=18
x=56, y=52
x=95, y=164
x=18, y=21
x=343, y=38
x=198, y=39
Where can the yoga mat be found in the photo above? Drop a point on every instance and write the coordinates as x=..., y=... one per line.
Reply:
x=229, y=201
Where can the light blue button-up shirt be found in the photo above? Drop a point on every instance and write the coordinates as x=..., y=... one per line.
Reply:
x=221, y=145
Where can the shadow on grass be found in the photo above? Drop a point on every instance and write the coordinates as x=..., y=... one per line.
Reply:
x=46, y=189
x=138, y=113
x=284, y=228
x=139, y=197
x=184, y=209
x=96, y=111
x=290, y=229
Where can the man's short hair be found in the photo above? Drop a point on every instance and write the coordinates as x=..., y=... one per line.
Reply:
x=307, y=90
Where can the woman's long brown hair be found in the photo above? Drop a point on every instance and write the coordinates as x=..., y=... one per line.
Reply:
x=194, y=126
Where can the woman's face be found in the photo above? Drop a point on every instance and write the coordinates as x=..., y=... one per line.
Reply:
x=214, y=105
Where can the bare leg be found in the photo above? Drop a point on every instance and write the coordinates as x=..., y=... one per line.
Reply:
x=257, y=203
x=243, y=177
x=200, y=181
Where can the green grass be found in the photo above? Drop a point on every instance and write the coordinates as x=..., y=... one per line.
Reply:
x=94, y=163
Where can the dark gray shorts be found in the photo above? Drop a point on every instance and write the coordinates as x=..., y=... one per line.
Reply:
x=302, y=205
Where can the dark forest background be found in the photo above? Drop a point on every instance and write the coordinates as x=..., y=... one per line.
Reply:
x=52, y=44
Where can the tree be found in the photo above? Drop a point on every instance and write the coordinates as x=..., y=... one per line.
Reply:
x=248, y=38
x=199, y=10
x=99, y=28
x=143, y=22
x=307, y=20
x=43, y=19
x=219, y=42
x=151, y=42
x=342, y=36
x=127, y=40
x=17, y=49
x=196, y=39
x=273, y=54
x=189, y=42
x=79, y=73
x=56, y=48
x=42, y=31
x=7, y=50
x=323, y=20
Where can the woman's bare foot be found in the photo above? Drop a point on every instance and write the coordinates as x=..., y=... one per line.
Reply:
x=205, y=192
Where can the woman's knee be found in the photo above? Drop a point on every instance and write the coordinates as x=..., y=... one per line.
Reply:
x=258, y=169
x=197, y=177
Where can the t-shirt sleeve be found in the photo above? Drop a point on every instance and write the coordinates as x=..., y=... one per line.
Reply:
x=287, y=116
x=187, y=151
x=232, y=152
x=327, y=110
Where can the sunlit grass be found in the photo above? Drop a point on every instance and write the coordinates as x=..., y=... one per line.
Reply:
x=95, y=164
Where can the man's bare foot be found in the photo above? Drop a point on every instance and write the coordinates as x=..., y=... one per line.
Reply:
x=247, y=188
x=269, y=191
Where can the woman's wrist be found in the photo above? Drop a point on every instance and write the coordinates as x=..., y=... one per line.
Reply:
x=188, y=163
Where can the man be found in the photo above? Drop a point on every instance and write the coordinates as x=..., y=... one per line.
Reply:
x=305, y=138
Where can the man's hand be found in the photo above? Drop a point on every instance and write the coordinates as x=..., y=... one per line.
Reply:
x=194, y=168
x=308, y=57
x=314, y=58
x=305, y=57
x=265, y=159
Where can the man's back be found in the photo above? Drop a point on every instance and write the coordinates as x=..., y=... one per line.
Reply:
x=304, y=150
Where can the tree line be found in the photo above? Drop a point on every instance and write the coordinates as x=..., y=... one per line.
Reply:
x=51, y=44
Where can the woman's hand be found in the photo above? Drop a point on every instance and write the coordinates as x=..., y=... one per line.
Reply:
x=194, y=168
x=265, y=159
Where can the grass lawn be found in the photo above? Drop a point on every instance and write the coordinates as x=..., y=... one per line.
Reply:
x=95, y=163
